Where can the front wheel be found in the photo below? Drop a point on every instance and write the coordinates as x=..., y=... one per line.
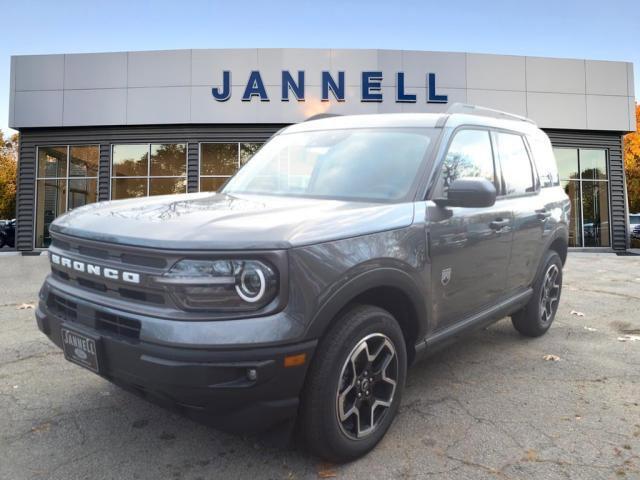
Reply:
x=354, y=386
x=537, y=316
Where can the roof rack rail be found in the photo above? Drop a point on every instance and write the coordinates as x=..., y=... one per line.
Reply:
x=485, y=112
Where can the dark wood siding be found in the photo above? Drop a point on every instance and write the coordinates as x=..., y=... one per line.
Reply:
x=104, y=172
x=612, y=142
x=105, y=137
x=26, y=194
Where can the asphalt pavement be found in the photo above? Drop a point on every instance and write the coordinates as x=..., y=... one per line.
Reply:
x=495, y=405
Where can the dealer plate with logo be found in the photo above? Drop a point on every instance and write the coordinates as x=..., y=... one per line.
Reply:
x=80, y=349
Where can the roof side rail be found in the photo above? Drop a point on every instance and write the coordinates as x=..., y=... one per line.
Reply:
x=485, y=112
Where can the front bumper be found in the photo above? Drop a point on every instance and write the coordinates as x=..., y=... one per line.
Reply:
x=207, y=384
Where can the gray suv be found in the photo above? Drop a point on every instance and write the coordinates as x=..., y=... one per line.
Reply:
x=297, y=296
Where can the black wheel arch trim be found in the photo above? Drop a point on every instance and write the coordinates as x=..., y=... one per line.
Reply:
x=560, y=233
x=383, y=277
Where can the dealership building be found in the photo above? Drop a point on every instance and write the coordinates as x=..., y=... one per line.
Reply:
x=104, y=126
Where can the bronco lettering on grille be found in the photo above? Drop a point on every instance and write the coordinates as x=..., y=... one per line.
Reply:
x=97, y=270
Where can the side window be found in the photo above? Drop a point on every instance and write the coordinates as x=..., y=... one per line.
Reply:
x=544, y=159
x=469, y=155
x=516, y=167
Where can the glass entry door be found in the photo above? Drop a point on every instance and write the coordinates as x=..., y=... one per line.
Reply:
x=584, y=176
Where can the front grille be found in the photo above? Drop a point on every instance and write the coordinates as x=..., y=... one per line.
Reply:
x=101, y=287
x=141, y=296
x=106, y=322
x=112, y=253
x=62, y=307
x=93, y=252
x=60, y=274
x=118, y=325
x=155, y=262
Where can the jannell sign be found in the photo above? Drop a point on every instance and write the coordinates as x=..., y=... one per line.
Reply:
x=371, y=88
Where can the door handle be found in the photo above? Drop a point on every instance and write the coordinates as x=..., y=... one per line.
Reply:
x=543, y=214
x=499, y=223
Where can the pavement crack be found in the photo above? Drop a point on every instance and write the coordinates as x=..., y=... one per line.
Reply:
x=30, y=357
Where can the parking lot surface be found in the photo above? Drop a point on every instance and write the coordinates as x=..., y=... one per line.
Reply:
x=493, y=406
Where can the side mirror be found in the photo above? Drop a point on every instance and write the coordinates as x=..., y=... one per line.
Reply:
x=469, y=192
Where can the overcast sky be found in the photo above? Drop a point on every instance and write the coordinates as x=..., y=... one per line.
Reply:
x=559, y=28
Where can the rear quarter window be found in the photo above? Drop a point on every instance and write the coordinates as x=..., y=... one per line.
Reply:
x=545, y=160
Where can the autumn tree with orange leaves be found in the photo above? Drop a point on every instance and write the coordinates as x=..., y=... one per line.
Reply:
x=8, y=183
x=632, y=165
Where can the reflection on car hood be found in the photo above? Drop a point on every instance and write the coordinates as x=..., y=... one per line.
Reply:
x=219, y=221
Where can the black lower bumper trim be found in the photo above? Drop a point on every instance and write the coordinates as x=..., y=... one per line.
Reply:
x=235, y=390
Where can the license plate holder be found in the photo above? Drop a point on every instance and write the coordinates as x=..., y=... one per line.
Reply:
x=81, y=349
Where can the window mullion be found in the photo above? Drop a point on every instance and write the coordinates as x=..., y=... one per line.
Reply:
x=148, y=168
x=67, y=179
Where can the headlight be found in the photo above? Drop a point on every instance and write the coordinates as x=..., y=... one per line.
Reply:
x=221, y=285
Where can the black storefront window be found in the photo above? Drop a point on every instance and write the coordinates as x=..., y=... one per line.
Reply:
x=219, y=161
x=584, y=177
x=67, y=178
x=138, y=170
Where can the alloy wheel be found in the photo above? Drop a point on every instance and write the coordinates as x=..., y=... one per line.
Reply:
x=367, y=386
x=550, y=294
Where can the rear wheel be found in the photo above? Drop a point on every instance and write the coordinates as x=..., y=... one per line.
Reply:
x=354, y=385
x=537, y=316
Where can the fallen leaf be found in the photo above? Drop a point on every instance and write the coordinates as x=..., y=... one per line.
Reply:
x=26, y=306
x=325, y=471
x=590, y=329
x=43, y=427
x=629, y=338
x=531, y=455
x=576, y=313
x=551, y=358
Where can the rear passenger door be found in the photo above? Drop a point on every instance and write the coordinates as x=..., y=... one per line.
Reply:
x=522, y=194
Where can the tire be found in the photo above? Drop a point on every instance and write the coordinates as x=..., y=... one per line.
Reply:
x=537, y=316
x=331, y=382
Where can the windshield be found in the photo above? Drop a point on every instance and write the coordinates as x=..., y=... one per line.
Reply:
x=634, y=219
x=379, y=164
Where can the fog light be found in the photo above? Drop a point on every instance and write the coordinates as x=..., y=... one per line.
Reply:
x=252, y=374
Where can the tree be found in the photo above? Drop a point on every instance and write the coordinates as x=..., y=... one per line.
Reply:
x=632, y=165
x=8, y=175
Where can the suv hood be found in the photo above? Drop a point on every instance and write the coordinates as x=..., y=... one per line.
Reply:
x=229, y=222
